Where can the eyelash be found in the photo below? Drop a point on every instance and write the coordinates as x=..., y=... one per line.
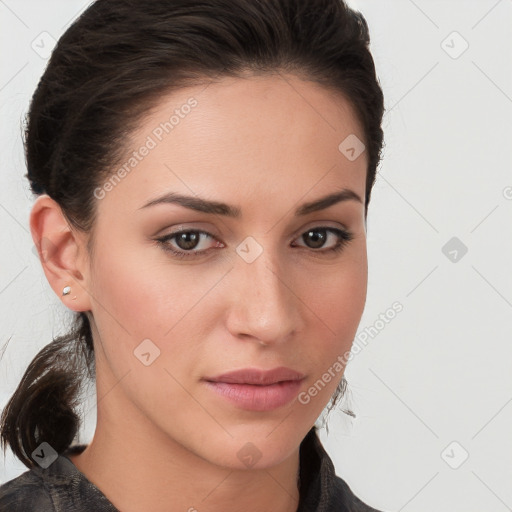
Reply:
x=344, y=237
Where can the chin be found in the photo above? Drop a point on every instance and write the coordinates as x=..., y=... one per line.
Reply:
x=255, y=448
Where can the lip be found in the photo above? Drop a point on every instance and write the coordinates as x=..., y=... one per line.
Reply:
x=257, y=390
x=258, y=377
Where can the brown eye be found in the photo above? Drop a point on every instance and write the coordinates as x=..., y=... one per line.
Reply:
x=186, y=242
x=316, y=238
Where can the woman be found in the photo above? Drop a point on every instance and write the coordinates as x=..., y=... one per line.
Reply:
x=203, y=173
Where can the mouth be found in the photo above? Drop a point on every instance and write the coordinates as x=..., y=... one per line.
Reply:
x=257, y=390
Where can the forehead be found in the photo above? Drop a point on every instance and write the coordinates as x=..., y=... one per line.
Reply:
x=243, y=138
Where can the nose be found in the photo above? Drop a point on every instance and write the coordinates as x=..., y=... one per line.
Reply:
x=264, y=305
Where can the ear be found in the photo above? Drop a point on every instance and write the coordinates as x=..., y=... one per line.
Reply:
x=62, y=252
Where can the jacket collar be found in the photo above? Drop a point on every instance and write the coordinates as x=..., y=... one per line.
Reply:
x=317, y=487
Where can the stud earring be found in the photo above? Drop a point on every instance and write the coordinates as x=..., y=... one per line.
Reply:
x=67, y=291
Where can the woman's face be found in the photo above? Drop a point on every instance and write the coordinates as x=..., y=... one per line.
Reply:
x=259, y=285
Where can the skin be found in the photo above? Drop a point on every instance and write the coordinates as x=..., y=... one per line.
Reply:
x=266, y=145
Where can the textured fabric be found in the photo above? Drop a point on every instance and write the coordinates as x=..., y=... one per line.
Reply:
x=320, y=489
x=63, y=488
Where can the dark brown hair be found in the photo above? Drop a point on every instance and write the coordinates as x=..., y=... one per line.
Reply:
x=107, y=71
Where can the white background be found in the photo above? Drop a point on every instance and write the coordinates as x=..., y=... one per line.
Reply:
x=439, y=374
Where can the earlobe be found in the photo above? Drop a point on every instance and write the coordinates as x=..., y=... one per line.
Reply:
x=62, y=253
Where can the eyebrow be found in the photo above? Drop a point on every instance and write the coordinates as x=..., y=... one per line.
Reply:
x=218, y=208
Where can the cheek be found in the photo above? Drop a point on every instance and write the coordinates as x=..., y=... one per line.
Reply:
x=337, y=295
x=337, y=302
x=138, y=290
x=139, y=295
x=127, y=303
x=333, y=333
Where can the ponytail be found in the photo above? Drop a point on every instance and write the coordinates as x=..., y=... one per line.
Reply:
x=43, y=407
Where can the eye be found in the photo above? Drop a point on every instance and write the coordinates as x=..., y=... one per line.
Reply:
x=187, y=241
x=316, y=238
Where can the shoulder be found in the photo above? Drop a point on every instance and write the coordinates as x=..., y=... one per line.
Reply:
x=41, y=489
x=58, y=487
x=25, y=493
x=347, y=500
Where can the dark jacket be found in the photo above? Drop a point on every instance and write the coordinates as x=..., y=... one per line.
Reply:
x=63, y=488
